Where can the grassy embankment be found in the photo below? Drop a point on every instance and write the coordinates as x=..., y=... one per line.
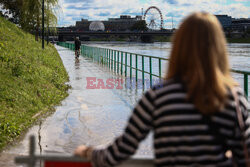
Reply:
x=238, y=40
x=32, y=81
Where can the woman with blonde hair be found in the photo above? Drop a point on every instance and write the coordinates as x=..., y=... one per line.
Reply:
x=194, y=114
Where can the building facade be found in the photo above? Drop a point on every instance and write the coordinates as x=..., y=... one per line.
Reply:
x=124, y=23
x=225, y=20
x=242, y=24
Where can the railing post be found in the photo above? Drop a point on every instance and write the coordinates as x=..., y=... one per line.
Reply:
x=92, y=50
x=246, y=85
x=112, y=61
x=150, y=70
x=118, y=61
x=109, y=58
x=131, y=65
x=95, y=53
x=101, y=59
x=142, y=71
x=104, y=60
x=87, y=52
x=126, y=63
x=99, y=56
x=136, y=68
x=32, y=148
x=115, y=61
x=105, y=53
x=160, y=68
x=121, y=63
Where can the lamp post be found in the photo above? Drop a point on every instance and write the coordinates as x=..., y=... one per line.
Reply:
x=43, y=24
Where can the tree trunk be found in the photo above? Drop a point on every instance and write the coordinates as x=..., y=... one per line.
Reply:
x=36, y=36
x=48, y=36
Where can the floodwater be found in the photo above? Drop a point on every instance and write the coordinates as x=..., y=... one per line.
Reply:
x=96, y=116
x=239, y=55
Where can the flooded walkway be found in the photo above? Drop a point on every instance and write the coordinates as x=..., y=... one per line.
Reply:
x=87, y=116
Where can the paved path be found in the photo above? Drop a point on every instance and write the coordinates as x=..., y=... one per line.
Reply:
x=87, y=116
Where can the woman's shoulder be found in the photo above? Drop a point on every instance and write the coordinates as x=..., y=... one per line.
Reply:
x=241, y=97
x=230, y=105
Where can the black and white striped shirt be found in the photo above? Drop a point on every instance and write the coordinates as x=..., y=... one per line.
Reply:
x=181, y=136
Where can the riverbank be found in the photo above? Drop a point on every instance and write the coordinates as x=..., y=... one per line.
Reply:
x=166, y=39
x=238, y=40
x=32, y=81
x=229, y=40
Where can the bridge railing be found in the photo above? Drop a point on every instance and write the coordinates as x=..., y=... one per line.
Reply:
x=142, y=68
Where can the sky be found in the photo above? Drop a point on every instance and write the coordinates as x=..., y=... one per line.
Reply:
x=74, y=10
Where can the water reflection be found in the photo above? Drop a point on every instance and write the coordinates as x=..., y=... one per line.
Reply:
x=77, y=64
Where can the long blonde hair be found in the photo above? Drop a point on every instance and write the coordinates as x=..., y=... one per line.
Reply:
x=199, y=58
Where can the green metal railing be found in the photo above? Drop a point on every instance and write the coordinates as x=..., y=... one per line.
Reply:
x=33, y=160
x=131, y=64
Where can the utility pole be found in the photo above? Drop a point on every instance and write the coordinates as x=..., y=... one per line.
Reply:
x=43, y=24
x=48, y=36
x=142, y=13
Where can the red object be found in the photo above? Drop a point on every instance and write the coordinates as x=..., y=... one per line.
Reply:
x=66, y=164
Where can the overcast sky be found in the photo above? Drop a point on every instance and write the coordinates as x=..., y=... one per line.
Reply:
x=73, y=10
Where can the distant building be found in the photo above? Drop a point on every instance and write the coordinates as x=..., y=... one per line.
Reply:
x=225, y=20
x=125, y=22
x=241, y=24
x=83, y=25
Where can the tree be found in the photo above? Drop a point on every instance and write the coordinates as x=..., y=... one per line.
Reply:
x=139, y=26
x=50, y=15
x=31, y=14
x=28, y=14
x=13, y=9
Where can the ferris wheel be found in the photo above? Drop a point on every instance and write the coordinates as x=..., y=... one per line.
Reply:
x=153, y=18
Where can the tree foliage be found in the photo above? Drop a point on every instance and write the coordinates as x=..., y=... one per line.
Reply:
x=140, y=26
x=28, y=13
x=12, y=9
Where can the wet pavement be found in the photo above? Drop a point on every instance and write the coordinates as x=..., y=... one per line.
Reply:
x=87, y=116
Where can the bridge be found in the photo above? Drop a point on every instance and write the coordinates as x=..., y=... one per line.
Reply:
x=144, y=35
x=78, y=33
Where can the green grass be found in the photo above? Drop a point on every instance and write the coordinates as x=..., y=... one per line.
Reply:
x=238, y=40
x=32, y=81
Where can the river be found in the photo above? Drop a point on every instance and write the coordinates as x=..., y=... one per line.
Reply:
x=239, y=54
